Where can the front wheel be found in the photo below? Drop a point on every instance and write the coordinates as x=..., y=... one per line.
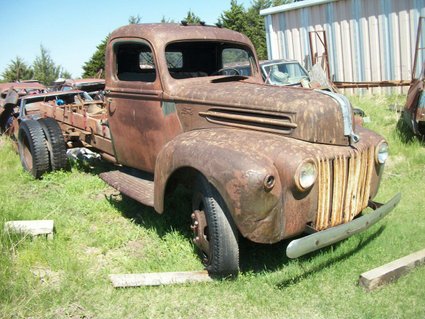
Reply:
x=215, y=234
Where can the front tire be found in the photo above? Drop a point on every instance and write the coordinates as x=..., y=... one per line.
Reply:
x=215, y=234
x=32, y=147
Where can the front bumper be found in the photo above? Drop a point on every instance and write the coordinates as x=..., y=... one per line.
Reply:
x=310, y=243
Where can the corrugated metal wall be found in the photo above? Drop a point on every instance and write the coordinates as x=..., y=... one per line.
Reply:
x=368, y=40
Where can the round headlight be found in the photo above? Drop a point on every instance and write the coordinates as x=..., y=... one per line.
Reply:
x=306, y=175
x=381, y=153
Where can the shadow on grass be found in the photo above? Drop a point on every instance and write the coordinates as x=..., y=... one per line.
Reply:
x=363, y=243
x=253, y=257
x=405, y=131
x=93, y=167
x=176, y=215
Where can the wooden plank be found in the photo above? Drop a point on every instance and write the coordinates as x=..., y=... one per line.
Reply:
x=391, y=271
x=157, y=279
x=30, y=227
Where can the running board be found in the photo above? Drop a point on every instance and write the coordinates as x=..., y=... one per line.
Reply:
x=134, y=187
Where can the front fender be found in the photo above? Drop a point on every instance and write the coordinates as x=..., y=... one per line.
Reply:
x=237, y=167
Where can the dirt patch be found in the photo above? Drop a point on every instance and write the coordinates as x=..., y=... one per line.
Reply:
x=109, y=193
x=73, y=311
x=110, y=259
x=2, y=142
x=135, y=248
x=47, y=276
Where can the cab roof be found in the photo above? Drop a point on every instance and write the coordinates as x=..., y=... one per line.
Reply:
x=163, y=33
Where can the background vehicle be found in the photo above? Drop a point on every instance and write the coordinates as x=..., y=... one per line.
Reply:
x=414, y=110
x=284, y=72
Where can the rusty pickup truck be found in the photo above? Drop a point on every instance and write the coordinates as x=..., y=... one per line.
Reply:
x=263, y=162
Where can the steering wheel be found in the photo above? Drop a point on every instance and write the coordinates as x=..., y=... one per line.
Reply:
x=227, y=71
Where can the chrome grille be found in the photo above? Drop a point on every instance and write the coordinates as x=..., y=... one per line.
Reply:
x=344, y=187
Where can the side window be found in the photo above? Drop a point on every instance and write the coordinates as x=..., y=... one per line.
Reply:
x=135, y=62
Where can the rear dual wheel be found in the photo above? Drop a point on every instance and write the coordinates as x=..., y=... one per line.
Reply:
x=41, y=146
x=32, y=147
x=55, y=143
x=215, y=234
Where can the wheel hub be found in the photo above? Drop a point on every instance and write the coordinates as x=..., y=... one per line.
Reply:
x=199, y=228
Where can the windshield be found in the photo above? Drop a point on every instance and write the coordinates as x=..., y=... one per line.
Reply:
x=283, y=73
x=207, y=58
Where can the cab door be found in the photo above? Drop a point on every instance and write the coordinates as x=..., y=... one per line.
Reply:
x=138, y=124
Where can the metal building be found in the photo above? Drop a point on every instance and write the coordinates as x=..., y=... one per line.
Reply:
x=367, y=40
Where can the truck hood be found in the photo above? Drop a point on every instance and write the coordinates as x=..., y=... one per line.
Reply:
x=310, y=115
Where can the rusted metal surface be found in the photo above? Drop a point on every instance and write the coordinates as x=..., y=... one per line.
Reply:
x=267, y=104
x=248, y=139
x=366, y=85
x=414, y=110
x=344, y=187
x=23, y=88
x=199, y=228
x=238, y=171
x=134, y=187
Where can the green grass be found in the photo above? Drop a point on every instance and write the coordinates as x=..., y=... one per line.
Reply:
x=98, y=232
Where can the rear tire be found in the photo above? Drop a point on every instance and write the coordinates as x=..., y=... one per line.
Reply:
x=214, y=230
x=32, y=147
x=55, y=143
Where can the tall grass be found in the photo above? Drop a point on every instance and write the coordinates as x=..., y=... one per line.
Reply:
x=99, y=232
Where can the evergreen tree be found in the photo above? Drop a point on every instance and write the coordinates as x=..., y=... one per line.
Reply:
x=95, y=67
x=234, y=18
x=96, y=64
x=65, y=74
x=250, y=22
x=192, y=18
x=17, y=70
x=45, y=70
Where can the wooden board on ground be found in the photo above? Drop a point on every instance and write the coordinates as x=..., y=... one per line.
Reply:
x=30, y=227
x=391, y=271
x=157, y=279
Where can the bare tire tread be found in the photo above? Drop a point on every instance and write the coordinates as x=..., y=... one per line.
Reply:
x=224, y=248
x=31, y=137
x=57, y=147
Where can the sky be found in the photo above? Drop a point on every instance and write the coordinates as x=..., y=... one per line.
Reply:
x=71, y=30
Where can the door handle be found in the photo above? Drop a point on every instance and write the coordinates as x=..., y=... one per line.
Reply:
x=110, y=108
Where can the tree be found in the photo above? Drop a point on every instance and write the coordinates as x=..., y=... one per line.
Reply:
x=17, y=70
x=65, y=74
x=250, y=22
x=96, y=64
x=45, y=70
x=192, y=18
x=134, y=19
x=234, y=18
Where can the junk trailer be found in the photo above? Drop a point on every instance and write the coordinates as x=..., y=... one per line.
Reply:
x=263, y=162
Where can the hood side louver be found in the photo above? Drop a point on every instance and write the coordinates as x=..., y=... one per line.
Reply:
x=260, y=121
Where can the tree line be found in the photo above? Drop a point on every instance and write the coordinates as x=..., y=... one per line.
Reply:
x=43, y=69
x=247, y=21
